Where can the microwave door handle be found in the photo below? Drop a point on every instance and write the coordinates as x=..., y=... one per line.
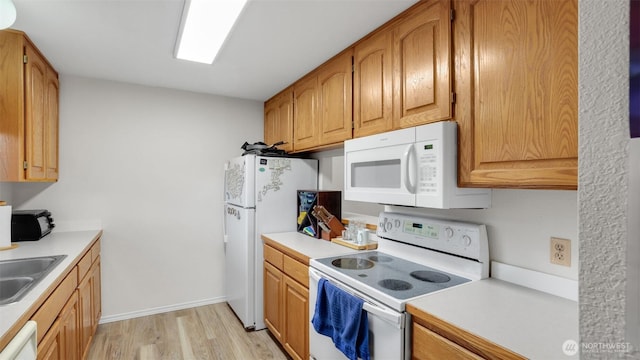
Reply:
x=409, y=159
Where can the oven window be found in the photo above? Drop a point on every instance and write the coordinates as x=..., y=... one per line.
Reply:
x=376, y=174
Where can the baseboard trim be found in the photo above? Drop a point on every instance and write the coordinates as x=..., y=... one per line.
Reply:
x=160, y=310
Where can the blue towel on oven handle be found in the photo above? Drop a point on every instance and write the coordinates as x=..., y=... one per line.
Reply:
x=340, y=316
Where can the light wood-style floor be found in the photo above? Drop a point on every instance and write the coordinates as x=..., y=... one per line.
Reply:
x=201, y=333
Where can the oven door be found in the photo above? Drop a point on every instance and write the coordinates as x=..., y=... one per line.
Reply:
x=381, y=168
x=388, y=329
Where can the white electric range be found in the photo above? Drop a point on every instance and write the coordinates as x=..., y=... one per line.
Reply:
x=416, y=256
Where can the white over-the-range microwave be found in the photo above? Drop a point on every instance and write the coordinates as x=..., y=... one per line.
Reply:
x=411, y=167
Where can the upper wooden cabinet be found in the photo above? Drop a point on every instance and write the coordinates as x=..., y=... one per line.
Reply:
x=322, y=105
x=422, y=60
x=402, y=74
x=278, y=120
x=305, y=113
x=373, y=84
x=516, y=79
x=335, y=99
x=29, y=111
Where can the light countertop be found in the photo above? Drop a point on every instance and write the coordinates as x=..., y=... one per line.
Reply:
x=307, y=247
x=72, y=244
x=529, y=322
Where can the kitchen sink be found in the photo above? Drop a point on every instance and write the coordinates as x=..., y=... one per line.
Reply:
x=18, y=276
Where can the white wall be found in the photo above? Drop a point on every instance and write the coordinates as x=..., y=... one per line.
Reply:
x=147, y=164
x=604, y=191
x=519, y=222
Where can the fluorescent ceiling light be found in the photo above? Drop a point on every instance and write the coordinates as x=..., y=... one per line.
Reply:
x=205, y=26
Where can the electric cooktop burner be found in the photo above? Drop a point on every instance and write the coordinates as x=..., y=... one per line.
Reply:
x=396, y=277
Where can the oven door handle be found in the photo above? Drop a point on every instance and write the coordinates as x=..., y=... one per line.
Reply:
x=390, y=316
x=394, y=318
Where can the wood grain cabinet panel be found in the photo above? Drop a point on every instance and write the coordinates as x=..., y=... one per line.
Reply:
x=286, y=302
x=373, y=84
x=305, y=114
x=296, y=319
x=278, y=120
x=517, y=89
x=273, y=300
x=335, y=95
x=422, y=60
x=29, y=111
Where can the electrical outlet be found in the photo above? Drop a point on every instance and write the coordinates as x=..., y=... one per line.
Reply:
x=560, y=251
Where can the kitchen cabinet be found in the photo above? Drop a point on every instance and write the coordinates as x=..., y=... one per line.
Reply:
x=433, y=338
x=68, y=318
x=516, y=83
x=335, y=99
x=402, y=74
x=421, y=65
x=305, y=113
x=323, y=103
x=373, y=84
x=61, y=341
x=89, y=299
x=286, y=301
x=29, y=110
x=278, y=120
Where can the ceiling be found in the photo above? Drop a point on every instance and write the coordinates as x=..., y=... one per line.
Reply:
x=273, y=43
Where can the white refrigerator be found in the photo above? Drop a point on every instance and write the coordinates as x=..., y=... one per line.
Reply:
x=260, y=197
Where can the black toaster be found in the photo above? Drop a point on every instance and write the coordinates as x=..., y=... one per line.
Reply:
x=30, y=225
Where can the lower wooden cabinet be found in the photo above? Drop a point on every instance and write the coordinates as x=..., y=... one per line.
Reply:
x=428, y=345
x=61, y=341
x=296, y=319
x=66, y=332
x=286, y=301
x=435, y=339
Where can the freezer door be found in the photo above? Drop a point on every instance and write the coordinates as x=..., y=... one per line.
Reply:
x=277, y=183
x=240, y=262
x=239, y=180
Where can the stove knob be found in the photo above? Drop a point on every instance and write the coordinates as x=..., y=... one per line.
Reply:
x=388, y=226
x=466, y=240
x=449, y=232
x=397, y=223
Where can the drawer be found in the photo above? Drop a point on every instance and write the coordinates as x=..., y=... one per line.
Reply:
x=429, y=345
x=95, y=251
x=273, y=256
x=84, y=265
x=296, y=270
x=48, y=312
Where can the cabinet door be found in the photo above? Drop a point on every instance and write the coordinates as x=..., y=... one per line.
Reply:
x=69, y=329
x=335, y=84
x=296, y=319
x=372, y=84
x=422, y=60
x=305, y=110
x=273, y=300
x=35, y=114
x=96, y=294
x=427, y=345
x=517, y=89
x=86, y=312
x=51, y=126
x=50, y=348
x=278, y=120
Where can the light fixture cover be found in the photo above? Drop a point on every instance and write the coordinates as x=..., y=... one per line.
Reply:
x=205, y=26
x=7, y=13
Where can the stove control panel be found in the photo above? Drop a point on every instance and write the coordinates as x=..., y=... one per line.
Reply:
x=458, y=238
